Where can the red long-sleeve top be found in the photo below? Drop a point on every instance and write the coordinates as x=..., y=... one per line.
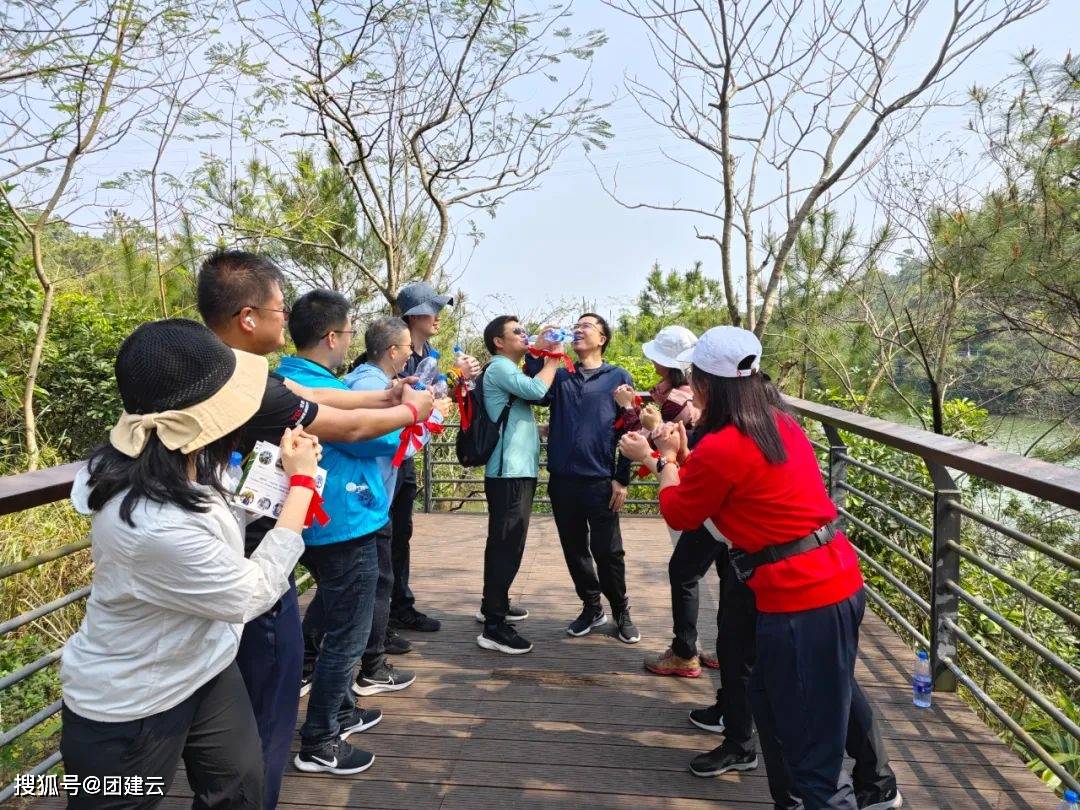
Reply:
x=757, y=504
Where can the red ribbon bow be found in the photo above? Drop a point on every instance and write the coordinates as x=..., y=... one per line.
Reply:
x=315, y=511
x=643, y=471
x=535, y=352
x=414, y=435
x=464, y=405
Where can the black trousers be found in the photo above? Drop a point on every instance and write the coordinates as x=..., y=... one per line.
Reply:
x=509, y=502
x=401, y=522
x=804, y=692
x=736, y=634
x=380, y=616
x=589, y=533
x=693, y=556
x=213, y=732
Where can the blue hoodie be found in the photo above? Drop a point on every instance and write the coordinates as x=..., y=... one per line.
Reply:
x=368, y=377
x=354, y=495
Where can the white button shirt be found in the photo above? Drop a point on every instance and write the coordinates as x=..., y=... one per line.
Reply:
x=168, y=603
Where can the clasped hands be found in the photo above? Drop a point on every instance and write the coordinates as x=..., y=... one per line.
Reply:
x=670, y=441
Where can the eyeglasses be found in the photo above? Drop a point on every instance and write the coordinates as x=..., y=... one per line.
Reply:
x=517, y=330
x=338, y=332
x=584, y=326
x=408, y=346
x=286, y=311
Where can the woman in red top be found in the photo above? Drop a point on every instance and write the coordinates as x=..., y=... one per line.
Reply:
x=754, y=473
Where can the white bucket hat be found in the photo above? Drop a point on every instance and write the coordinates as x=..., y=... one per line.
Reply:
x=726, y=351
x=669, y=343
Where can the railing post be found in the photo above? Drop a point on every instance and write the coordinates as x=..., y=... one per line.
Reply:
x=945, y=568
x=427, y=478
x=837, y=470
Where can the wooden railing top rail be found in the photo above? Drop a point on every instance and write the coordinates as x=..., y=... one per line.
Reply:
x=1051, y=482
x=27, y=490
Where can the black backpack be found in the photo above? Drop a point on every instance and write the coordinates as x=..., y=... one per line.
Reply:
x=476, y=443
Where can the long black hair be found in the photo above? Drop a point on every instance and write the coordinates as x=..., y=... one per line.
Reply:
x=751, y=404
x=158, y=474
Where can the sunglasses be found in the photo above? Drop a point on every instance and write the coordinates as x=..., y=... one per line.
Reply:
x=286, y=311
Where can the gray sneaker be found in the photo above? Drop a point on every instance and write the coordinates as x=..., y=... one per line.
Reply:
x=385, y=677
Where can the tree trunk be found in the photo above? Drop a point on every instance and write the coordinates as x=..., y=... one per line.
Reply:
x=33, y=452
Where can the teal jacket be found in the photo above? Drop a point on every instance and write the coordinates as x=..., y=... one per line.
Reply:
x=517, y=455
x=354, y=495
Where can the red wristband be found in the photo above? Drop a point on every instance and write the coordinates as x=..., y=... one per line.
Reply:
x=305, y=481
x=412, y=409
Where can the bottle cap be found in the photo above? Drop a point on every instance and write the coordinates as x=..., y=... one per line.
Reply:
x=923, y=655
x=1070, y=796
x=236, y=458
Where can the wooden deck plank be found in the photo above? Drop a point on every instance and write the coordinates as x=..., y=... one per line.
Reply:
x=579, y=723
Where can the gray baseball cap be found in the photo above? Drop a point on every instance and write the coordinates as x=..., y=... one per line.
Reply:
x=420, y=298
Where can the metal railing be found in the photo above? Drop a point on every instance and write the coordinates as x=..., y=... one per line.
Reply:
x=929, y=604
x=18, y=493
x=950, y=550
x=917, y=564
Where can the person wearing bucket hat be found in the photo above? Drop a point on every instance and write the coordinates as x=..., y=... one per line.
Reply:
x=241, y=298
x=420, y=306
x=150, y=677
x=672, y=400
x=754, y=473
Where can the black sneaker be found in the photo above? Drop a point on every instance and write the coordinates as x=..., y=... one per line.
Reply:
x=361, y=720
x=383, y=677
x=415, y=620
x=513, y=615
x=721, y=760
x=335, y=756
x=590, y=617
x=305, y=683
x=628, y=632
x=396, y=644
x=877, y=799
x=710, y=719
x=503, y=638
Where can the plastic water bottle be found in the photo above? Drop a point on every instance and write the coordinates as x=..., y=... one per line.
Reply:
x=440, y=388
x=234, y=473
x=470, y=383
x=428, y=372
x=921, y=684
x=1070, y=801
x=557, y=335
x=230, y=479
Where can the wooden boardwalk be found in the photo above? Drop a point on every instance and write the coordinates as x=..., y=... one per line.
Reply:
x=578, y=723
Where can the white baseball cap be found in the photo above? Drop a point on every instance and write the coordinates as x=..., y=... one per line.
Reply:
x=669, y=343
x=726, y=351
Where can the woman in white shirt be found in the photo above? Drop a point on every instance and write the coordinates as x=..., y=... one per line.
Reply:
x=149, y=678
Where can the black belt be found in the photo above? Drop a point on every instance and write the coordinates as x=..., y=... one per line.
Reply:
x=744, y=564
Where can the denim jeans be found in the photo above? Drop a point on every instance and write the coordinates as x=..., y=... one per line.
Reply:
x=346, y=575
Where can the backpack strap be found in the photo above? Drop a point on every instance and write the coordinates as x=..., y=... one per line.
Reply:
x=504, y=417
